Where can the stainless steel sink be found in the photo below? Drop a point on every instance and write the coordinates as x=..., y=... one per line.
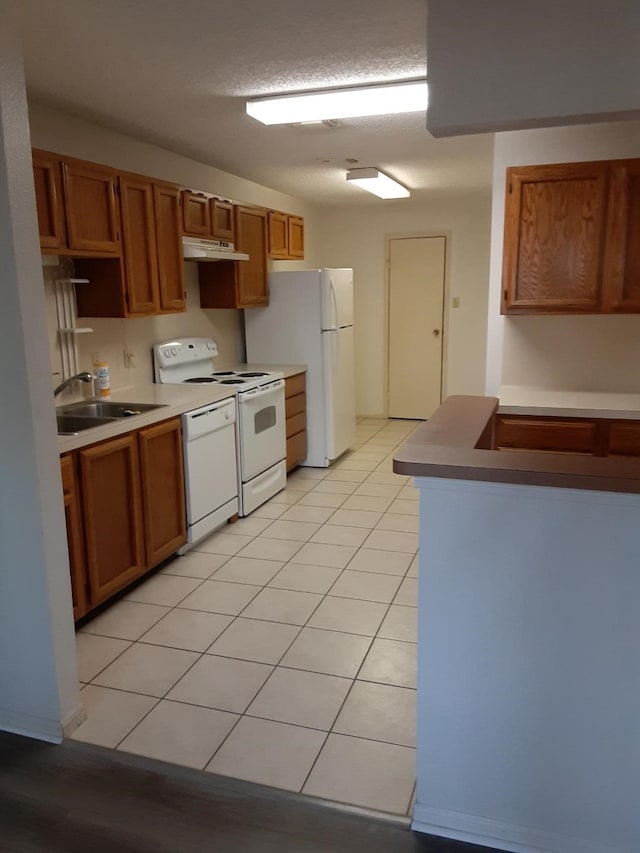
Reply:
x=80, y=416
x=70, y=425
x=107, y=409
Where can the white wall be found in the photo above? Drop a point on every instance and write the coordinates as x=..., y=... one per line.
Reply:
x=356, y=237
x=528, y=692
x=499, y=65
x=38, y=681
x=65, y=134
x=597, y=353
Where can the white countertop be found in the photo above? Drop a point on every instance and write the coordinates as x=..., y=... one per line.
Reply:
x=174, y=399
x=524, y=400
x=287, y=369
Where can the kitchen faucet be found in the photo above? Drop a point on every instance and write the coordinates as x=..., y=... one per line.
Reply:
x=79, y=377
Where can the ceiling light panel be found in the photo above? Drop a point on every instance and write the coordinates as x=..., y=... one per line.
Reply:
x=384, y=99
x=374, y=181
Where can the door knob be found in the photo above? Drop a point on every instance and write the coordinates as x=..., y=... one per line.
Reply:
x=436, y=332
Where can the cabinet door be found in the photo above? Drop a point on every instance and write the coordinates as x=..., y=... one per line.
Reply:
x=112, y=511
x=624, y=438
x=140, y=245
x=296, y=237
x=251, y=237
x=170, y=264
x=47, y=178
x=222, y=220
x=548, y=435
x=278, y=234
x=554, y=238
x=92, y=215
x=196, y=214
x=162, y=490
x=75, y=538
x=622, y=259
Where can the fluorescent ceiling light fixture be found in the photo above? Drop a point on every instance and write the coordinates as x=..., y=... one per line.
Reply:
x=376, y=182
x=383, y=99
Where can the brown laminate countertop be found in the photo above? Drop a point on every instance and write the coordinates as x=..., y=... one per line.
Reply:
x=455, y=444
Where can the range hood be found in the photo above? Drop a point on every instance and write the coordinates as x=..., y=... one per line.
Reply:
x=196, y=249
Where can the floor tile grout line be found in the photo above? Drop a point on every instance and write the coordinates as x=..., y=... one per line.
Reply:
x=303, y=493
x=240, y=714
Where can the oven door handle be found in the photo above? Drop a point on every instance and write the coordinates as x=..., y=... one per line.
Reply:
x=248, y=398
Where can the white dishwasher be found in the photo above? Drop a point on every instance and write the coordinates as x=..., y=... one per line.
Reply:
x=211, y=479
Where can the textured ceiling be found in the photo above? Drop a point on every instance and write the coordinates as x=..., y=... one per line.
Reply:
x=177, y=74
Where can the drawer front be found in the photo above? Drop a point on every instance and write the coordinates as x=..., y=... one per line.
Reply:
x=624, y=438
x=296, y=449
x=552, y=436
x=296, y=424
x=295, y=384
x=295, y=405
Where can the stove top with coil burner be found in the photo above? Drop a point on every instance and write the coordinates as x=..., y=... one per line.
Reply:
x=191, y=360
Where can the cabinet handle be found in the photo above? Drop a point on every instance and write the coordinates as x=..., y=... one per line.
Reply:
x=436, y=332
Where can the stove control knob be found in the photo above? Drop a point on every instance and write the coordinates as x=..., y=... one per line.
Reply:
x=166, y=353
x=174, y=351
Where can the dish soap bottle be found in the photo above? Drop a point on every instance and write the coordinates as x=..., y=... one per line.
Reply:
x=102, y=375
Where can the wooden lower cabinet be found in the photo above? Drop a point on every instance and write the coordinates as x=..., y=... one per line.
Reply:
x=75, y=537
x=595, y=437
x=295, y=401
x=162, y=490
x=553, y=435
x=125, y=510
x=112, y=514
x=624, y=438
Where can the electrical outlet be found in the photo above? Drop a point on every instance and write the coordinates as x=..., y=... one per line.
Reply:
x=455, y=302
x=128, y=358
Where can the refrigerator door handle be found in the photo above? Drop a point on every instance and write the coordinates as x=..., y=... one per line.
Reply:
x=334, y=301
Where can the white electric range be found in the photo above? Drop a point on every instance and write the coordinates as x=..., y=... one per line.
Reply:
x=260, y=425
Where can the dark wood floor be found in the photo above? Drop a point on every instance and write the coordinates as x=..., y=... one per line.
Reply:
x=77, y=798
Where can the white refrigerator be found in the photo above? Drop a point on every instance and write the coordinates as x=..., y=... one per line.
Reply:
x=309, y=321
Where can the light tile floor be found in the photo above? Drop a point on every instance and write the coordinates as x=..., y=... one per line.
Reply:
x=283, y=649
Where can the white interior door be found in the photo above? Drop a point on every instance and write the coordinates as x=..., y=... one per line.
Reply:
x=416, y=304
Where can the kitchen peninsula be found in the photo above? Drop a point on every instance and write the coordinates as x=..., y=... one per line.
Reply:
x=528, y=679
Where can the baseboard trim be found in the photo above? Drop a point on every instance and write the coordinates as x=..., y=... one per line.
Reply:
x=499, y=835
x=42, y=728
x=73, y=719
x=39, y=728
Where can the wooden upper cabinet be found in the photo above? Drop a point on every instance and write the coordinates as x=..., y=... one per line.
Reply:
x=162, y=490
x=621, y=277
x=296, y=237
x=554, y=238
x=196, y=214
x=278, y=224
x=286, y=236
x=251, y=237
x=90, y=203
x=170, y=264
x=113, y=518
x=47, y=178
x=139, y=244
x=223, y=226
x=239, y=284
